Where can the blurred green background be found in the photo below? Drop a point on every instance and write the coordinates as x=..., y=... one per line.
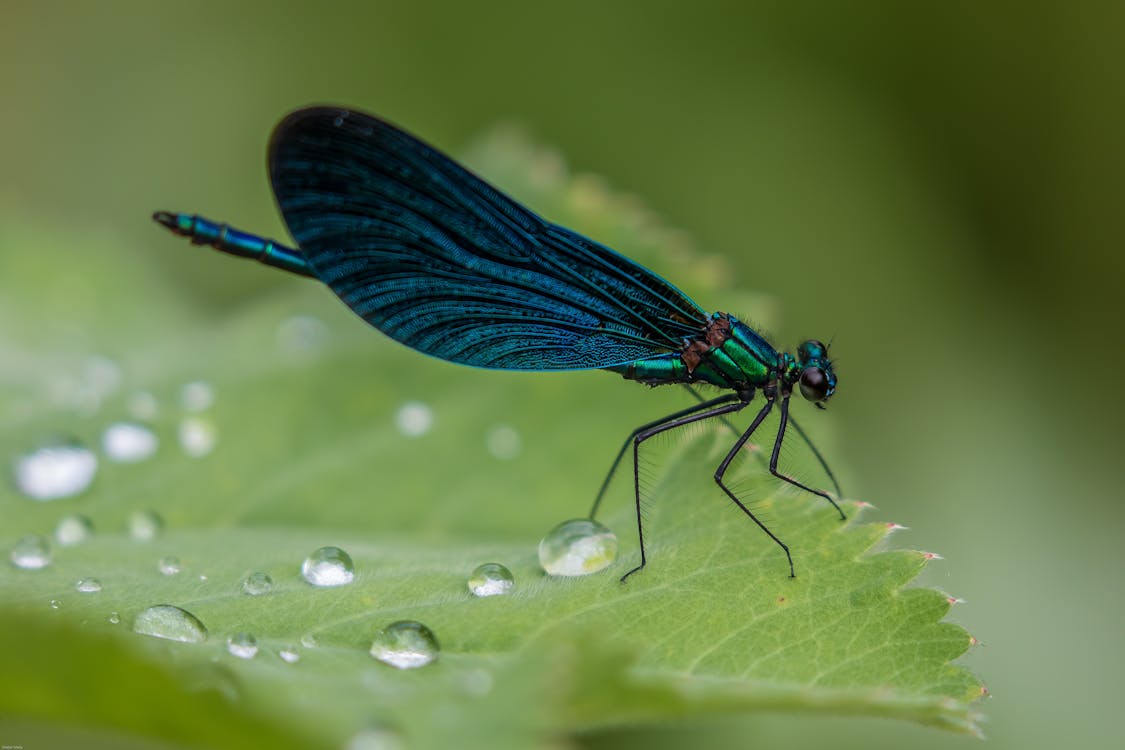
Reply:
x=937, y=188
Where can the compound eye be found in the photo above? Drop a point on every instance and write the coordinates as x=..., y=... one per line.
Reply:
x=814, y=384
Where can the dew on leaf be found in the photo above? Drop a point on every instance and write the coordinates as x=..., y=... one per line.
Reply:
x=170, y=622
x=577, y=548
x=197, y=436
x=328, y=566
x=257, y=584
x=414, y=419
x=243, y=645
x=145, y=525
x=88, y=585
x=31, y=552
x=73, y=529
x=58, y=469
x=491, y=579
x=289, y=654
x=405, y=644
x=197, y=396
x=503, y=442
x=169, y=565
x=127, y=443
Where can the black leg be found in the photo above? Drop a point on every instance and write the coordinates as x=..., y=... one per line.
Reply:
x=722, y=470
x=717, y=406
x=731, y=426
x=632, y=435
x=777, y=452
x=819, y=457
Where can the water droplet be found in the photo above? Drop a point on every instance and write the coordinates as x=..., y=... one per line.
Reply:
x=414, y=419
x=128, y=443
x=31, y=552
x=491, y=579
x=289, y=654
x=143, y=406
x=308, y=640
x=503, y=442
x=243, y=645
x=405, y=644
x=61, y=468
x=114, y=618
x=54, y=604
x=73, y=529
x=88, y=585
x=577, y=548
x=197, y=396
x=257, y=584
x=169, y=565
x=173, y=623
x=145, y=525
x=197, y=436
x=375, y=738
x=301, y=337
x=328, y=566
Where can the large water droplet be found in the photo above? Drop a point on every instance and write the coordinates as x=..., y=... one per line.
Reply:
x=88, y=585
x=577, y=548
x=198, y=436
x=328, y=566
x=127, y=443
x=62, y=468
x=173, y=623
x=145, y=525
x=503, y=442
x=405, y=644
x=256, y=584
x=73, y=529
x=197, y=396
x=491, y=579
x=169, y=565
x=31, y=552
x=289, y=654
x=243, y=645
x=414, y=419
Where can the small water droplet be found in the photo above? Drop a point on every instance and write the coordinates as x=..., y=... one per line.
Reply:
x=128, y=443
x=243, y=645
x=577, y=548
x=503, y=442
x=145, y=525
x=301, y=337
x=289, y=654
x=58, y=469
x=491, y=579
x=172, y=623
x=197, y=436
x=375, y=738
x=328, y=566
x=197, y=396
x=143, y=406
x=54, y=604
x=169, y=565
x=88, y=585
x=414, y=419
x=73, y=529
x=405, y=644
x=31, y=552
x=114, y=618
x=308, y=640
x=257, y=584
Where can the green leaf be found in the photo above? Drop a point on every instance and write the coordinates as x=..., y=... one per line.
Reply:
x=308, y=454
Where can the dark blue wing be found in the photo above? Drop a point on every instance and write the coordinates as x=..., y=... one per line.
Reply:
x=439, y=260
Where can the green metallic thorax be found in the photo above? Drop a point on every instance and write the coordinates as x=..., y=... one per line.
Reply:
x=726, y=353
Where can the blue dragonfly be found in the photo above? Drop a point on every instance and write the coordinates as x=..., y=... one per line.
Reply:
x=443, y=262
